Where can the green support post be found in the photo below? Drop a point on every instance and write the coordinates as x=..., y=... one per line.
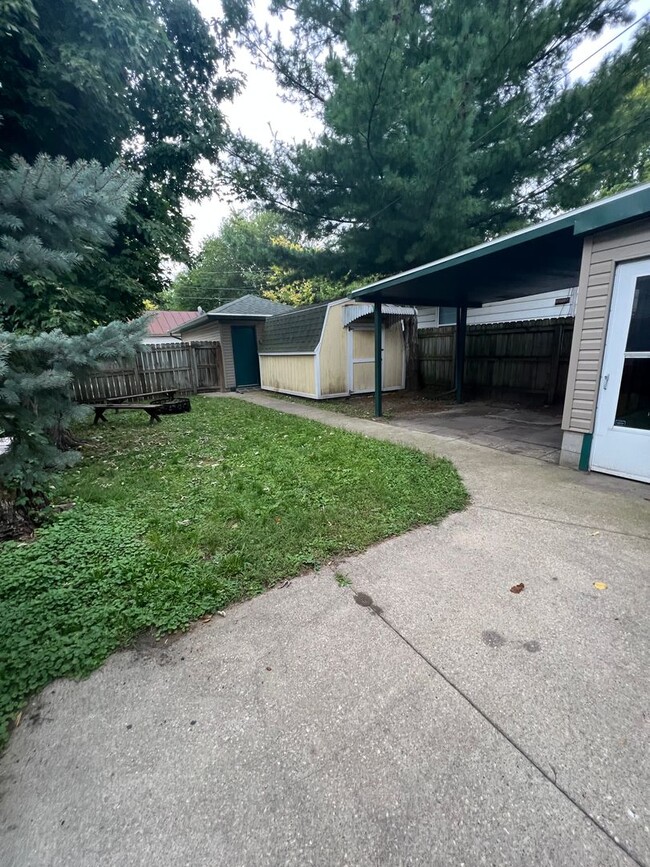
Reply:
x=378, y=360
x=461, y=332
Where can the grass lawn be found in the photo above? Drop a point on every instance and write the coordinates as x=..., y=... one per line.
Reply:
x=182, y=518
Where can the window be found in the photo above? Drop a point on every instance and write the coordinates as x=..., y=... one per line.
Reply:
x=446, y=316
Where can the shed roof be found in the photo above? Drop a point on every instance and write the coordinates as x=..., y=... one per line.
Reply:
x=297, y=331
x=252, y=307
x=540, y=258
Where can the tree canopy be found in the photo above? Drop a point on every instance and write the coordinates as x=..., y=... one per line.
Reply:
x=443, y=123
x=261, y=253
x=141, y=80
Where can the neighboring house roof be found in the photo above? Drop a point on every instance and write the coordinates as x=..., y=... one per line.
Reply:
x=539, y=258
x=297, y=331
x=247, y=307
x=163, y=322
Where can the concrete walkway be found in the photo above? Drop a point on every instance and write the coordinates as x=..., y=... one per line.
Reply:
x=425, y=715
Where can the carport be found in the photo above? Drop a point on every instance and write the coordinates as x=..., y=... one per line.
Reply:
x=581, y=248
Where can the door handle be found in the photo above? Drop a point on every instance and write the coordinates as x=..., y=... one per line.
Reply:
x=605, y=381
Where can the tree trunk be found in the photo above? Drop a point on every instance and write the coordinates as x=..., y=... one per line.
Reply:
x=63, y=439
x=15, y=522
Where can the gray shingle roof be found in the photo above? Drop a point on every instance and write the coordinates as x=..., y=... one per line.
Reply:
x=250, y=305
x=298, y=331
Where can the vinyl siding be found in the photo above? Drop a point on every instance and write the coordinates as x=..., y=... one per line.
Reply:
x=601, y=254
x=539, y=306
x=209, y=331
x=292, y=373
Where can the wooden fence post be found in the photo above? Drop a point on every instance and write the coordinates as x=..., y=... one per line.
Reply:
x=194, y=371
x=554, y=368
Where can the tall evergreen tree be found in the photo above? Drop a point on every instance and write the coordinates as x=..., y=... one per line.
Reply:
x=52, y=215
x=140, y=80
x=444, y=123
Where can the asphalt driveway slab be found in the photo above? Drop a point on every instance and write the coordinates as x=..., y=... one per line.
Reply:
x=423, y=715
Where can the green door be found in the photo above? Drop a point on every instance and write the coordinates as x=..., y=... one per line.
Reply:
x=244, y=350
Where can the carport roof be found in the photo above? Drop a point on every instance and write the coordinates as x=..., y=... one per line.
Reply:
x=539, y=258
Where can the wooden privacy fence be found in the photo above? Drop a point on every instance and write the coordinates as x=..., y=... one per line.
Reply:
x=185, y=367
x=502, y=360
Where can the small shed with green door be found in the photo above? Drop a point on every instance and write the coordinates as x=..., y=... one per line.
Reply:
x=238, y=326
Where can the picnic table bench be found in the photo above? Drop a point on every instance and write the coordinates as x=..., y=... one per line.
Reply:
x=151, y=396
x=154, y=403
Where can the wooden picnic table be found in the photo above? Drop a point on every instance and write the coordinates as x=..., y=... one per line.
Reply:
x=151, y=396
x=152, y=409
x=154, y=403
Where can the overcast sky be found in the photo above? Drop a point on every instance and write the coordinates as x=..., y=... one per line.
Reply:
x=259, y=109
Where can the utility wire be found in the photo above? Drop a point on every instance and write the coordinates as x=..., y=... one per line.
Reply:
x=540, y=97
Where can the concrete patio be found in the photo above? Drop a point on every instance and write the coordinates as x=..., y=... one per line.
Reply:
x=422, y=715
x=529, y=432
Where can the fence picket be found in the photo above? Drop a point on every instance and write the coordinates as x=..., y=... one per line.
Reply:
x=157, y=367
x=503, y=359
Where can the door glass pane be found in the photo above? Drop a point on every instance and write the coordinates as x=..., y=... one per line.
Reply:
x=638, y=337
x=633, y=408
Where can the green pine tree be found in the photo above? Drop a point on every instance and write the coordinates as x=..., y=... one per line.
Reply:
x=53, y=217
x=445, y=122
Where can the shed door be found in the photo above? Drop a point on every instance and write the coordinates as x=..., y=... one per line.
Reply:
x=621, y=444
x=362, y=359
x=244, y=350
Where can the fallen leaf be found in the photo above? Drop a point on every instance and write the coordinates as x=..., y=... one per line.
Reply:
x=517, y=588
x=600, y=585
x=207, y=618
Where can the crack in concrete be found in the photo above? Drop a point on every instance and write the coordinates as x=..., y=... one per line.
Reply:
x=551, y=778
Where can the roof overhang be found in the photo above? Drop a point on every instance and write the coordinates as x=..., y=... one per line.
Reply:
x=225, y=316
x=219, y=317
x=537, y=259
x=193, y=323
x=362, y=313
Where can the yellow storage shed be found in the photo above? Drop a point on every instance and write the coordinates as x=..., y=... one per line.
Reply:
x=327, y=350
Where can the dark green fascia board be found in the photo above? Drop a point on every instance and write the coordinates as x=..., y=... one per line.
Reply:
x=611, y=212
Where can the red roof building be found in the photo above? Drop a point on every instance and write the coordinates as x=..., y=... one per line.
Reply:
x=162, y=322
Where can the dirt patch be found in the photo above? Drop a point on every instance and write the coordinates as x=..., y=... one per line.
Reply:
x=394, y=404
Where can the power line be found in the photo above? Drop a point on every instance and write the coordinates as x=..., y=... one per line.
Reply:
x=547, y=185
x=509, y=116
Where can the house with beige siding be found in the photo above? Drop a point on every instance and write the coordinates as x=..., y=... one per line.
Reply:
x=602, y=248
x=328, y=350
x=237, y=327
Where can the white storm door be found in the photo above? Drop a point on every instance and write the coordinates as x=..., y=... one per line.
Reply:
x=621, y=443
